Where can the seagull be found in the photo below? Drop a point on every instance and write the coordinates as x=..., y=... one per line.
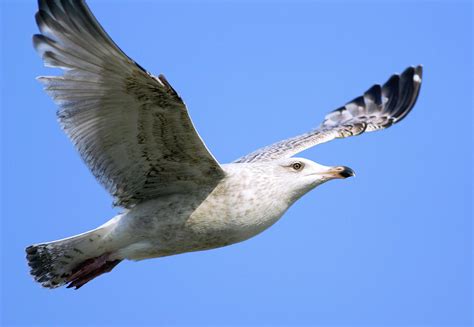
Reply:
x=133, y=131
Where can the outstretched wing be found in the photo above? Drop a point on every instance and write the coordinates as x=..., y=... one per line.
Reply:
x=132, y=129
x=380, y=107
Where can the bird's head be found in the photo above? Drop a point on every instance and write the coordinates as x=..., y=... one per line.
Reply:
x=285, y=179
x=302, y=175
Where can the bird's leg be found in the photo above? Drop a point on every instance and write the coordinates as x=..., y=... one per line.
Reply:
x=91, y=268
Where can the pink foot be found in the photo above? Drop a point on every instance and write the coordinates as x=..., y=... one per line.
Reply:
x=90, y=269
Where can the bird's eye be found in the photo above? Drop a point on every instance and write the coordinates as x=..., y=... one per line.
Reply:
x=297, y=166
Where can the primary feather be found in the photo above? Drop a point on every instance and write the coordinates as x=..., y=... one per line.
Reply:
x=380, y=107
x=132, y=129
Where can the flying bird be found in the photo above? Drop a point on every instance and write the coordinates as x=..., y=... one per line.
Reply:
x=133, y=131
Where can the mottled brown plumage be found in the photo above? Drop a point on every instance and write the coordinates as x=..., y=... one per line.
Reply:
x=133, y=131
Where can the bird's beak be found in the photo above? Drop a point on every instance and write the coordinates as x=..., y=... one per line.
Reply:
x=339, y=172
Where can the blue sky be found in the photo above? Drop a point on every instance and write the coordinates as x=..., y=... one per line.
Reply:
x=391, y=247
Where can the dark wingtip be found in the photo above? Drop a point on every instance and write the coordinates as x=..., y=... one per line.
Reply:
x=38, y=39
x=418, y=74
x=414, y=72
x=402, y=91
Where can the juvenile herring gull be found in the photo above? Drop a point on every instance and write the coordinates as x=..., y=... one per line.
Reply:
x=133, y=131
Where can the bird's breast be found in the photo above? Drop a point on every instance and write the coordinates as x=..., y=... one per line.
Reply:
x=234, y=214
x=192, y=222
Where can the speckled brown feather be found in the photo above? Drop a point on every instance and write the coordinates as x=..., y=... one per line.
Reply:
x=132, y=129
x=380, y=107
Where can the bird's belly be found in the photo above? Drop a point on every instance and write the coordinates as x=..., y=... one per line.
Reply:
x=177, y=224
x=231, y=220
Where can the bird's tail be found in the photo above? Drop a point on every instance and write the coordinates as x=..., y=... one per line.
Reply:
x=75, y=260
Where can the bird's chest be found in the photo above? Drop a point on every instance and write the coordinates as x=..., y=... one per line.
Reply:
x=233, y=215
x=191, y=222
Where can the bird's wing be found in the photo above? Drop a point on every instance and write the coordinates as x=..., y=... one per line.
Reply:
x=380, y=107
x=131, y=128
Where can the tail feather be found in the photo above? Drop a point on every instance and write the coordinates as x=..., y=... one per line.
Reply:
x=75, y=260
